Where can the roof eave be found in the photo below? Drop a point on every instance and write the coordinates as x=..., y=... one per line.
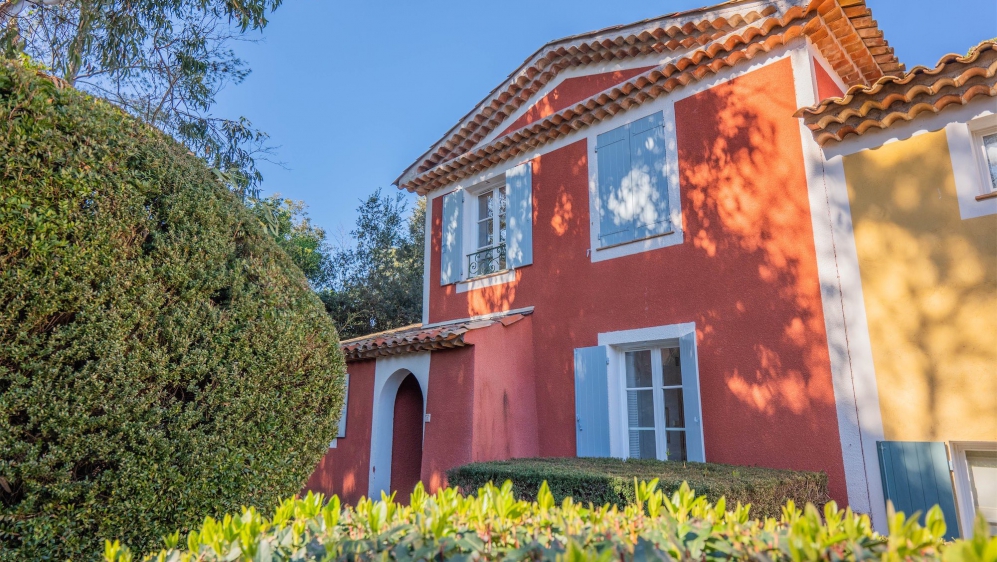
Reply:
x=407, y=174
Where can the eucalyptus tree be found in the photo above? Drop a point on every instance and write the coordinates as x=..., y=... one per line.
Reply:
x=164, y=61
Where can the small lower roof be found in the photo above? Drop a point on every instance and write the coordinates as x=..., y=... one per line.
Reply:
x=417, y=337
x=955, y=80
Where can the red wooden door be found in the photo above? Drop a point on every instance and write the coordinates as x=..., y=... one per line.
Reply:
x=406, y=440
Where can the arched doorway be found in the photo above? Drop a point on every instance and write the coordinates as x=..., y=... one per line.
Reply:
x=406, y=438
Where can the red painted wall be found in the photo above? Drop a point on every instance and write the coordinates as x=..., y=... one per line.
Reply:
x=505, y=406
x=345, y=469
x=570, y=92
x=826, y=86
x=447, y=441
x=406, y=439
x=746, y=274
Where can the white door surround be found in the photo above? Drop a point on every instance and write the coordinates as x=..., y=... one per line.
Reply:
x=389, y=372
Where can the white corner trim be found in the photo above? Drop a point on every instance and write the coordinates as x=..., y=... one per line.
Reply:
x=499, y=278
x=389, y=372
x=963, y=485
x=855, y=454
x=858, y=350
x=965, y=151
x=427, y=256
x=616, y=345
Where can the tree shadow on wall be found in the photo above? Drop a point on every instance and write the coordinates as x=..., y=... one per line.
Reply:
x=929, y=286
x=747, y=214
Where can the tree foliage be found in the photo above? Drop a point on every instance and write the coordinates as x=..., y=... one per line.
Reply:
x=376, y=283
x=161, y=358
x=288, y=224
x=163, y=61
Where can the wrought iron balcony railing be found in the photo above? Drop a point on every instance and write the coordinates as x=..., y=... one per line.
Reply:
x=486, y=261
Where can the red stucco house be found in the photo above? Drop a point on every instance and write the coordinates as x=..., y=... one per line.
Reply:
x=624, y=259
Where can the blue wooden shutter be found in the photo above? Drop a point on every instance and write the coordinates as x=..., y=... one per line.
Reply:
x=916, y=478
x=616, y=223
x=650, y=186
x=633, y=187
x=519, y=215
x=450, y=258
x=591, y=402
x=689, y=363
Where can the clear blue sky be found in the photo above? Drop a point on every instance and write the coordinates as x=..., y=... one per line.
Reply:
x=353, y=92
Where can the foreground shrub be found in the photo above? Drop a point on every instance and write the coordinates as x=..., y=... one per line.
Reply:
x=605, y=480
x=160, y=358
x=494, y=525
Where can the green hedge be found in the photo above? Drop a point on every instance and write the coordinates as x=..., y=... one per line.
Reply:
x=160, y=358
x=494, y=525
x=606, y=480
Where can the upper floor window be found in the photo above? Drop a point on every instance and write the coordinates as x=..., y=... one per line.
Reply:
x=989, y=146
x=632, y=183
x=488, y=228
x=490, y=254
x=984, y=138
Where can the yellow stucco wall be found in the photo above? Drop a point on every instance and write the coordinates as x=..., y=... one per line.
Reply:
x=929, y=281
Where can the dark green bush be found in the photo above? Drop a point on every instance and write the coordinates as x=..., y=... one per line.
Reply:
x=494, y=525
x=611, y=481
x=160, y=358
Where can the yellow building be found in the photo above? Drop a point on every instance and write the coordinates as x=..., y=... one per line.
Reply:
x=903, y=182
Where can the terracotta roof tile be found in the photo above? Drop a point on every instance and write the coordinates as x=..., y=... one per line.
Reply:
x=842, y=30
x=749, y=43
x=954, y=80
x=415, y=337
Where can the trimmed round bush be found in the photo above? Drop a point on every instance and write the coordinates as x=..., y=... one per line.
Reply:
x=611, y=481
x=161, y=359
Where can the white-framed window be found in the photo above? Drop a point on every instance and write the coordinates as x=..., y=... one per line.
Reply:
x=632, y=183
x=985, y=148
x=487, y=229
x=652, y=408
x=655, y=404
x=487, y=245
x=634, y=195
x=974, y=465
x=972, y=153
x=341, y=432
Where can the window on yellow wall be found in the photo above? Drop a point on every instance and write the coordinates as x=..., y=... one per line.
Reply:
x=984, y=131
x=990, y=155
x=974, y=471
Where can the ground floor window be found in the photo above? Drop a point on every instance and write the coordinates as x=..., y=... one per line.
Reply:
x=655, y=404
x=975, y=475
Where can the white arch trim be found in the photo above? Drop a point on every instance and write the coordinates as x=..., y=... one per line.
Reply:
x=389, y=372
